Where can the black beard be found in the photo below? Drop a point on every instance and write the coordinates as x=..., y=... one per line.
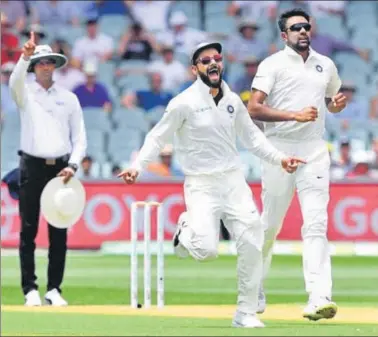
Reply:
x=300, y=48
x=205, y=79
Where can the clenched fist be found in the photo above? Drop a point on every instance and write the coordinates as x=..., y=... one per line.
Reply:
x=29, y=46
x=308, y=114
x=338, y=103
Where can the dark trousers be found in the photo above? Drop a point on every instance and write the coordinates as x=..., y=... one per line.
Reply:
x=35, y=173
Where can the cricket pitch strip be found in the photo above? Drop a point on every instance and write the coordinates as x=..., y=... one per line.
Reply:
x=286, y=312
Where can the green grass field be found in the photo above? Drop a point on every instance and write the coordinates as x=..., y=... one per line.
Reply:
x=200, y=299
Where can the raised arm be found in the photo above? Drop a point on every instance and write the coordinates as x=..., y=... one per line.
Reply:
x=17, y=81
x=160, y=135
x=255, y=141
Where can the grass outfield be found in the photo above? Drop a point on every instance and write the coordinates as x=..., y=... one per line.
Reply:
x=200, y=299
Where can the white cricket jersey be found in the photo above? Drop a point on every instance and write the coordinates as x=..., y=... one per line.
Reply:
x=205, y=134
x=291, y=85
x=52, y=122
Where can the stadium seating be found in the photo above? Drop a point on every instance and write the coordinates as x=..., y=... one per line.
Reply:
x=113, y=137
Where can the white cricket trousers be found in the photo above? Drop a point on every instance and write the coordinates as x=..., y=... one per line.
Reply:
x=227, y=196
x=311, y=181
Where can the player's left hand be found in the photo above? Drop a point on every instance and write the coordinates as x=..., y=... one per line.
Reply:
x=339, y=101
x=67, y=173
x=290, y=164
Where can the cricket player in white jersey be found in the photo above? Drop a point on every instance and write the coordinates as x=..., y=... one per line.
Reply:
x=288, y=93
x=206, y=118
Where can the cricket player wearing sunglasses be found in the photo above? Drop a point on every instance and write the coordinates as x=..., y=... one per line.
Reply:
x=206, y=118
x=291, y=92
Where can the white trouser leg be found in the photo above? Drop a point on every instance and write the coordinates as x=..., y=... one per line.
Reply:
x=200, y=236
x=313, y=192
x=242, y=220
x=277, y=192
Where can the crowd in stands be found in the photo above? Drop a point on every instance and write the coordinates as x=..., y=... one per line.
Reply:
x=127, y=59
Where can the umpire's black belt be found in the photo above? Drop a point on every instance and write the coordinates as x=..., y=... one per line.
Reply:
x=45, y=161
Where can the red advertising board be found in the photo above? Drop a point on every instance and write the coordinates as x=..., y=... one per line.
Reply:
x=353, y=213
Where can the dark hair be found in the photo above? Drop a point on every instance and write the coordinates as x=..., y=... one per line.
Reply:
x=288, y=14
x=87, y=158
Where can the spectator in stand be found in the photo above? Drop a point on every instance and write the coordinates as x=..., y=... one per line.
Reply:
x=325, y=8
x=153, y=15
x=10, y=51
x=253, y=10
x=361, y=167
x=61, y=46
x=137, y=44
x=105, y=7
x=243, y=83
x=357, y=108
x=95, y=45
x=180, y=35
x=190, y=78
x=15, y=11
x=85, y=170
x=8, y=105
x=92, y=93
x=374, y=157
x=86, y=9
x=39, y=33
x=342, y=165
x=165, y=167
x=328, y=45
x=148, y=99
x=116, y=169
x=172, y=71
x=374, y=103
x=55, y=13
x=246, y=43
x=69, y=77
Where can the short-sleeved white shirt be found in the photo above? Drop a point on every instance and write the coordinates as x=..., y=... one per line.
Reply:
x=291, y=85
x=254, y=10
x=143, y=11
x=86, y=48
x=174, y=74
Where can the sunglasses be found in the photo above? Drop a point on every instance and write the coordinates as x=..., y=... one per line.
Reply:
x=207, y=59
x=297, y=27
x=46, y=62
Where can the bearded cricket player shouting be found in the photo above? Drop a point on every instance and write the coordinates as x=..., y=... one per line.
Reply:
x=206, y=118
x=289, y=93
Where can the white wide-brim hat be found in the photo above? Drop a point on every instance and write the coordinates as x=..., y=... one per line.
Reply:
x=45, y=52
x=63, y=204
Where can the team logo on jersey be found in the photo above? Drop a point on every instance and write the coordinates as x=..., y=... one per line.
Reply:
x=319, y=68
x=230, y=109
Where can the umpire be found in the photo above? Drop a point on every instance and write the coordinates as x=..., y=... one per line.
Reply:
x=53, y=142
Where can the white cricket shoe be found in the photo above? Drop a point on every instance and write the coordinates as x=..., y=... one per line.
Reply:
x=54, y=298
x=261, y=304
x=320, y=308
x=178, y=248
x=242, y=320
x=32, y=299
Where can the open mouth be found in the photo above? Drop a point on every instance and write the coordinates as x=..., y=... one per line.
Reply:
x=213, y=74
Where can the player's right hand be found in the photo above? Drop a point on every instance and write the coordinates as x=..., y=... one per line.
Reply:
x=290, y=164
x=129, y=176
x=308, y=114
x=29, y=46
